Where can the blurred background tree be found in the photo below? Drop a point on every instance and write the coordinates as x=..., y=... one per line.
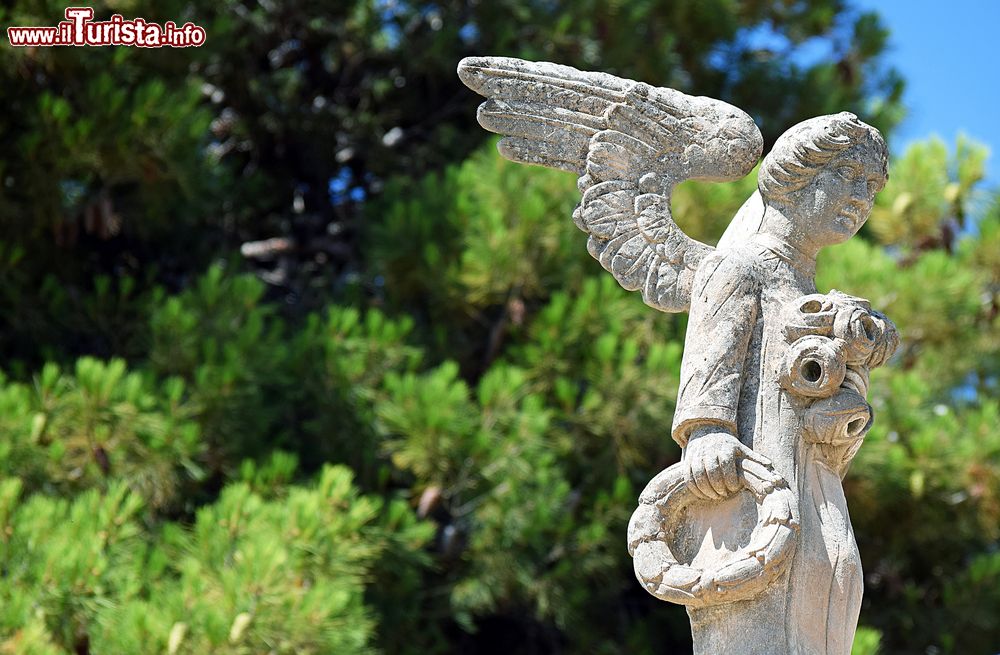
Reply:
x=295, y=363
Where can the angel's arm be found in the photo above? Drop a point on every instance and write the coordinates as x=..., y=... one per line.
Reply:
x=725, y=302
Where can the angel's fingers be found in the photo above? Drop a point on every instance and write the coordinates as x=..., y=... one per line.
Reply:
x=705, y=489
x=692, y=474
x=731, y=478
x=700, y=477
x=761, y=472
x=715, y=476
x=753, y=455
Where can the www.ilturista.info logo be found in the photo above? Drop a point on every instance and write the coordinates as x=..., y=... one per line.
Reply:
x=79, y=29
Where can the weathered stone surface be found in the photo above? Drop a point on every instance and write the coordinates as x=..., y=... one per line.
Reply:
x=751, y=530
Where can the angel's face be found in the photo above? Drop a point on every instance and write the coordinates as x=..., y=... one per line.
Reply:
x=835, y=205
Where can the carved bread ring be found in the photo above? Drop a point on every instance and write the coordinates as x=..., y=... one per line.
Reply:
x=745, y=574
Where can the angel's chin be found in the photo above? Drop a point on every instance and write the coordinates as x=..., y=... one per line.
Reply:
x=845, y=224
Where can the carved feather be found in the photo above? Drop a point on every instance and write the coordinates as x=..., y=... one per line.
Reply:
x=631, y=144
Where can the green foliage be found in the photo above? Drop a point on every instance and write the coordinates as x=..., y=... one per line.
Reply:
x=866, y=641
x=105, y=173
x=703, y=209
x=66, y=433
x=532, y=472
x=286, y=575
x=66, y=562
x=251, y=574
x=220, y=339
x=476, y=245
x=929, y=195
x=926, y=464
x=516, y=533
x=432, y=415
x=259, y=385
x=604, y=361
x=99, y=145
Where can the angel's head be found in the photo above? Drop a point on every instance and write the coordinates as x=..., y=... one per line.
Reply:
x=822, y=175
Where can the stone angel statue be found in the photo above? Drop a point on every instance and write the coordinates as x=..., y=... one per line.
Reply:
x=750, y=530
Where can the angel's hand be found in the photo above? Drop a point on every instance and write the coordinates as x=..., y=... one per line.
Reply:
x=712, y=464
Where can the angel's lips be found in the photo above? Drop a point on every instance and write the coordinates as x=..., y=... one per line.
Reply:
x=851, y=216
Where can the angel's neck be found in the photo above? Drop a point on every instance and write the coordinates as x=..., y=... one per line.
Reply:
x=781, y=236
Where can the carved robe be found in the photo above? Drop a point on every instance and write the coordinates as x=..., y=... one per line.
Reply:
x=730, y=382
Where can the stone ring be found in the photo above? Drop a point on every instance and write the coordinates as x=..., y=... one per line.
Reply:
x=743, y=574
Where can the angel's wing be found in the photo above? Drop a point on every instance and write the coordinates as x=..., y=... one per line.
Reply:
x=630, y=143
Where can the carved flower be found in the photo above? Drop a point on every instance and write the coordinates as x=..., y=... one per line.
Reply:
x=812, y=314
x=864, y=337
x=869, y=337
x=814, y=366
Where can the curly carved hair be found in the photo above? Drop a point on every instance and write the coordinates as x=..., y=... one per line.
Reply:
x=800, y=153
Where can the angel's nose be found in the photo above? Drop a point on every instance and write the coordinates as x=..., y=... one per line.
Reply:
x=859, y=189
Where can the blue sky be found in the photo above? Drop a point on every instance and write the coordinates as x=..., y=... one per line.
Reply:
x=949, y=55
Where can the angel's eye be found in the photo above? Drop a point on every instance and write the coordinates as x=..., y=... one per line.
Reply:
x=846, y=172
